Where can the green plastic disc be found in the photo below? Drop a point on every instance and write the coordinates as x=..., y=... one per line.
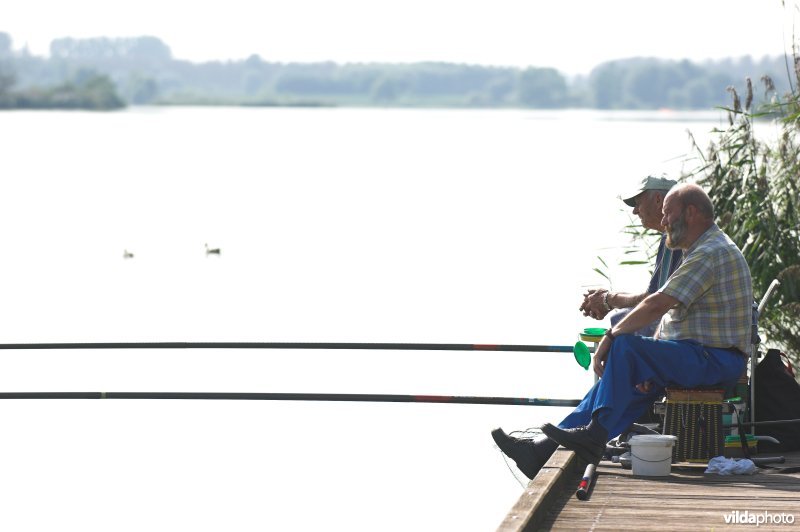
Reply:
x=582, y=355
x=594, y=331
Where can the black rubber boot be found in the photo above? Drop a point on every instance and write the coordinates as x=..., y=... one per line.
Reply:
x=529, y=454
x=588, y=442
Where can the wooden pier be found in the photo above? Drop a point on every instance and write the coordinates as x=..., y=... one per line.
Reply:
x=686, y=500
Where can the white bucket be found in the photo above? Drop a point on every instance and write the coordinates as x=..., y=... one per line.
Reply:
x=651, y=454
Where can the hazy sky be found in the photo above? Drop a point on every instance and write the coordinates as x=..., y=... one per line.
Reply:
x=572, y=36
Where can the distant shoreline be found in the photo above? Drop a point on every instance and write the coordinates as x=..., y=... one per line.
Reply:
x=110, y=73
x=610, y=115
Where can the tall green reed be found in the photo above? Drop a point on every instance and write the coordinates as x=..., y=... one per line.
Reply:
x=754, y=186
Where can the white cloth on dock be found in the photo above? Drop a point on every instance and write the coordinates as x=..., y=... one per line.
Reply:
x=730, y=466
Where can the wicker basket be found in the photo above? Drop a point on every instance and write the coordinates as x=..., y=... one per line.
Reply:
x=695, y=418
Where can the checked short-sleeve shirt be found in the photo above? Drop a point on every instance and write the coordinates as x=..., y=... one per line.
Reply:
x=715, y=293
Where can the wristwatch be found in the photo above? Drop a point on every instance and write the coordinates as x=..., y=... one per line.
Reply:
x=610, y=334
x=605, y=301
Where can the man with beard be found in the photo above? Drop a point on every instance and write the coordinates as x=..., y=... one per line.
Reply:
x=702, y=338
x=647, y=200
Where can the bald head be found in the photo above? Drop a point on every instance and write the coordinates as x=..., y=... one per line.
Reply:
x=688, y=213
x=691, y=194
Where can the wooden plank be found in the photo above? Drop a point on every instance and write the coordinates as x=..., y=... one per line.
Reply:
x=686, y=500
x=531, y=507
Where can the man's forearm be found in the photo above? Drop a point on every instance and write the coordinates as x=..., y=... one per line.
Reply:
x=646, y=312
x=625, y=300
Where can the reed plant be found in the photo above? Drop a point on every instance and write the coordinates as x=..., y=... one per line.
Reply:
x=753, y=183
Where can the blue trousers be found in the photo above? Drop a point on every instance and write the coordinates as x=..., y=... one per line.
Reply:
x=635, y=359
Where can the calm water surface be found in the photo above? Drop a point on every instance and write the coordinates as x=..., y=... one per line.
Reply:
x=334, y=225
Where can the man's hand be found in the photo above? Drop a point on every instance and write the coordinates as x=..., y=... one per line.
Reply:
x=593, y=304
x=651, y=308
x=600, y=356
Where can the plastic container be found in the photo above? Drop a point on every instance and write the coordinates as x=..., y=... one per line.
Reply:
x=594, y=331
x=651, y=454
x=592, y=334
x=730, y=419
x=733, y=446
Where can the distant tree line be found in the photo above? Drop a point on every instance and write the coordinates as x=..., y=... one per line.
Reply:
x=142, y=70
x=651, y=83
x=79, y=88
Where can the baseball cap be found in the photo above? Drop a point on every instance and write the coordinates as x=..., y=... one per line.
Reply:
x=648, y=183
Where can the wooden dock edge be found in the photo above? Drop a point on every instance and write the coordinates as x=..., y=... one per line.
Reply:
x=531, y=507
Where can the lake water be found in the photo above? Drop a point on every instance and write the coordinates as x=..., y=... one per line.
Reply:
x=340, y=225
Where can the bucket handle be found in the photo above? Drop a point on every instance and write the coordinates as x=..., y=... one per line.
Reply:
x=653, y=461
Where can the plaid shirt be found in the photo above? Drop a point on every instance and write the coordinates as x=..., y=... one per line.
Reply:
x=715, y=295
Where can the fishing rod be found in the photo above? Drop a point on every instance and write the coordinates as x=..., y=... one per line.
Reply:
x=580, y=351
x=585, y=485
x=580, y=355
x=291, y=345
x=353, y=397
x=760, y=423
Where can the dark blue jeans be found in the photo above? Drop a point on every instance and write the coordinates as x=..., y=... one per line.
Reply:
x=636, y=359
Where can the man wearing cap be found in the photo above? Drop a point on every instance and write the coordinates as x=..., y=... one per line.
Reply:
x=704, y=331
x=647, y=200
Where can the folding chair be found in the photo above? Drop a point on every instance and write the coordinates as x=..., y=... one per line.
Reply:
x=755, y=341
